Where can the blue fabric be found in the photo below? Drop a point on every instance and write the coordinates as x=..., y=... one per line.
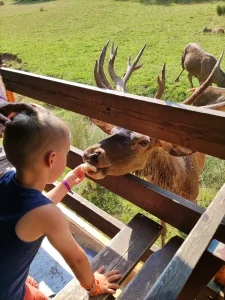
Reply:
x=15, y=254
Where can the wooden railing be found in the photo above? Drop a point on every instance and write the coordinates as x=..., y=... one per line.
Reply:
x=196, y=128
x=192, y=127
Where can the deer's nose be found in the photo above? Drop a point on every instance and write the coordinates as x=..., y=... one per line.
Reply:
x=93, y=158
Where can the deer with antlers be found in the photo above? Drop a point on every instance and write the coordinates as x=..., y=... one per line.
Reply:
x=171, y=167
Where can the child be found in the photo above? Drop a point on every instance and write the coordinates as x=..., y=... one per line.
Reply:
x=37, y=144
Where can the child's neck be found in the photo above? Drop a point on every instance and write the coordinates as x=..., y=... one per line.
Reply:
x=31, y=179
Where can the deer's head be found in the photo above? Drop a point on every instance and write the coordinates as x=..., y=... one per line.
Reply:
x=124, y=151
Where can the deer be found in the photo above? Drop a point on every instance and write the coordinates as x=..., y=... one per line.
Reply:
x=199, y=64
x=172, y=167
x=213, y=97
x=214, y=30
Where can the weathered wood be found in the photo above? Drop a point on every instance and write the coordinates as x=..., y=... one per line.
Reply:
x=208, y=294
x=172, y=280
x=204, y=271
x=157, y=201
x=97, y=217
x=192, y=127
x=152, y=269
x=123, y=253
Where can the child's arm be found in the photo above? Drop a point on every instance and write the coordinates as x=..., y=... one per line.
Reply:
x=59, y=235
x=73, y=178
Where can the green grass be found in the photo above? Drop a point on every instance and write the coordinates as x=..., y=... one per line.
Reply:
x=66, y=38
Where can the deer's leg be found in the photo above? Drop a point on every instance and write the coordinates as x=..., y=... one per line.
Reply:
x=163, y=233
x=190, y=79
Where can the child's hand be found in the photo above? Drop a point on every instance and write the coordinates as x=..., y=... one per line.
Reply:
x=106, y=281
x=75, y=176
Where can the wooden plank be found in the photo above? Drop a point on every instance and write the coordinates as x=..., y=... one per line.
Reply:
x=157, y=201
x=208, y=294
x=97, y=217
x=123, y=253
x=204, y=271
x=171, y=282
x=192, y=127
x=152, y=269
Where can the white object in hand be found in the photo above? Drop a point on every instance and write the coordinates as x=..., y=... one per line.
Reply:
x=87, y=167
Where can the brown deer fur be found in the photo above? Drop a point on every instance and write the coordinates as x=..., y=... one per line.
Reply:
x=212, y=95
x=199, y=64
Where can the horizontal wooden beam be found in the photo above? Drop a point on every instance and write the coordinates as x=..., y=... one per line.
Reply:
x=97, y=217
x=174, y=277
x=173, y=209
x=192, y=127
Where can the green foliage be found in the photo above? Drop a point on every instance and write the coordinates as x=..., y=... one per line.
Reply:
x=99, y=196
x=220, y=10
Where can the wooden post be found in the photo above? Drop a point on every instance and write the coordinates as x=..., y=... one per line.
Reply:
x=172, y=280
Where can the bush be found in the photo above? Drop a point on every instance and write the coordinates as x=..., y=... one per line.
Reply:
x=220, y=10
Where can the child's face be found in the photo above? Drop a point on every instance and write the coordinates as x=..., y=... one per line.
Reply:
x=59, y=161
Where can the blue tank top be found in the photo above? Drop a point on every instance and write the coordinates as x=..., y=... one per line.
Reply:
x=16, y=255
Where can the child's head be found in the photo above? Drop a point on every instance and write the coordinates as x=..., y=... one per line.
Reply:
x=37, y=141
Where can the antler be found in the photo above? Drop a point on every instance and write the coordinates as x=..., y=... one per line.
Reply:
x=218, y=106
x=205, y=84
x=100, y=78
x=161, y=83
x=121, y=82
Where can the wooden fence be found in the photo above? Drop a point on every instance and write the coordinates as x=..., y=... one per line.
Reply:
x=196, y=128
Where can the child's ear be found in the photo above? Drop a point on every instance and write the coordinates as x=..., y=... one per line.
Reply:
x=50, y=159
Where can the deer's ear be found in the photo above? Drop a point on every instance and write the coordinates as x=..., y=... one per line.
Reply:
x=176, y=150
x=106, y=127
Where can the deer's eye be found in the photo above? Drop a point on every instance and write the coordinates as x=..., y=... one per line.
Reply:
x=144, y=143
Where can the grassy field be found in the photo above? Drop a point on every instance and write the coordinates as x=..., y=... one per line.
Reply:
x=65, y=39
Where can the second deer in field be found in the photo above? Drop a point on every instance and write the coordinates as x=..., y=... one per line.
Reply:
x=199, y=64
